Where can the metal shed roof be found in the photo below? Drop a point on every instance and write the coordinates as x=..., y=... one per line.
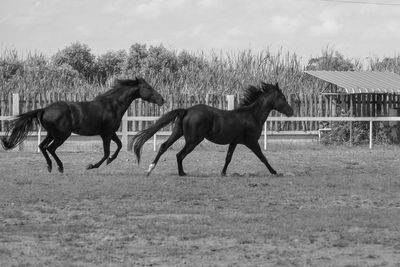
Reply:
x=361, y=82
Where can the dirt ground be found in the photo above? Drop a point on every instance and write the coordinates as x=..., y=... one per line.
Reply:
x=334, y=206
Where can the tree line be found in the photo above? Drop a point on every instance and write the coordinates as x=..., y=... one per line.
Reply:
x=76, y=69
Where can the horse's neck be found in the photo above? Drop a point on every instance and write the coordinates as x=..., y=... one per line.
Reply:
x=124, y=99
x=261, y=110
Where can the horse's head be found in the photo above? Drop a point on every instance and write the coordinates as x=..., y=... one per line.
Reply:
x=279, y=102
x=148, y=93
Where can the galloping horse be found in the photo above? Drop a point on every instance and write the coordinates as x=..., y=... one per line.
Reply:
x=239, y=126
x=101, y=116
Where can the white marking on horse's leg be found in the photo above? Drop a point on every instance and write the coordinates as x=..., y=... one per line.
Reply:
x=151, y=168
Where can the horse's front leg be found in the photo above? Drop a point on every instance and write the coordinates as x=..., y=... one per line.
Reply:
x=106, y=148
x=255, y=147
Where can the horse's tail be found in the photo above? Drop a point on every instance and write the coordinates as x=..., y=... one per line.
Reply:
x=20, y=127
x=141, y=137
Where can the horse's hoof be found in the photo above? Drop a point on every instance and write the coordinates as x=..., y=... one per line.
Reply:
x=61, y=170
x=278, y=174
x=108, y=161
x=49, y=168
x=182, y=174
x=151, y=168
x=90, y=166
x=223, y=173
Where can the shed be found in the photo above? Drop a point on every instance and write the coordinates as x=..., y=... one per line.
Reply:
x=361, y=93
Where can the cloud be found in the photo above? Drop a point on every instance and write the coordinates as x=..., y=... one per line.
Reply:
x=112, y=6
x=326, y=27
x=206, y=4
x=153, y=9
x=285, y=24
x=392, y=28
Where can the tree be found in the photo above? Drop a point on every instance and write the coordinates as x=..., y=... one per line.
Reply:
x=137, y=53
x=331, y=60
x=160, y=58
x=79, y=57
x=10, y=64
x=386, y=64
x=109, y=64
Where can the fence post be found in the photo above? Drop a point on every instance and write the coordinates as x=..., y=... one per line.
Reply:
x=125, y=131
x=155, y=141
x=15, y=112
x=231, y=101
x=15, y=104
x=39, y=136
x=265, y=135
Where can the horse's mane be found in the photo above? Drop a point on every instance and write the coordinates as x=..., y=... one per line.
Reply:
x=252, y=93
x=119, y=84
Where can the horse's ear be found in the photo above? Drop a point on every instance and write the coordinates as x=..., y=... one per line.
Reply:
x=264, y=86
x=277, y=86
x=116, y=81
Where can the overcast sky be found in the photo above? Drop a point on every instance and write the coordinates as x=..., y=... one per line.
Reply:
x=301, y=26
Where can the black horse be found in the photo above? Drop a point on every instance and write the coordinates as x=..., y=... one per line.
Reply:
x=240, y=126
x=101, y=116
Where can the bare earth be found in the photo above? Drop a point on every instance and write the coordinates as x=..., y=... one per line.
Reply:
x=334, y=206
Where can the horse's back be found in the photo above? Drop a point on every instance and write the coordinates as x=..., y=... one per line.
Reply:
x=56, y=116
x=216, y=125
x=66, y=116
x=206, y=110
x=202, y=113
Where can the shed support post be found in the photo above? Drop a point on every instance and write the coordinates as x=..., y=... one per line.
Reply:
x=370, y=134
x=351, y=133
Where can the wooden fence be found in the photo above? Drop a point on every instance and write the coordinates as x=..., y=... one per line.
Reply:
x=310, y=111
x=357, y=105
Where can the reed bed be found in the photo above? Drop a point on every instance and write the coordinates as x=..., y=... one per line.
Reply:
x=173, y=72
x=224, y=73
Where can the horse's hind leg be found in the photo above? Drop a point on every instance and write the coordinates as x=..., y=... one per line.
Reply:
x=43, y=146
x=231, y=149
x=115, y=138
x=176, y=134
x=106, y=147
x=189, y=146
x=58, y=141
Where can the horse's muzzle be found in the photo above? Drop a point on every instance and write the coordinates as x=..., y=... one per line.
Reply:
x=289, y=113
x=160, y=102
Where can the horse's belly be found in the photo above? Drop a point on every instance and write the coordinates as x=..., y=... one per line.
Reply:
x=91, y=127
x=86, y=131
x=217, y=141
x=221, y=138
